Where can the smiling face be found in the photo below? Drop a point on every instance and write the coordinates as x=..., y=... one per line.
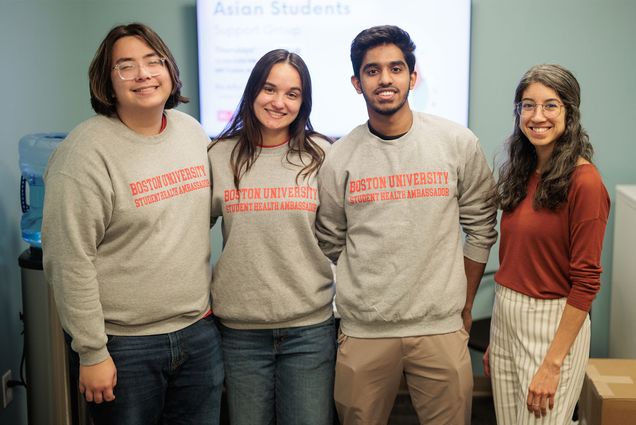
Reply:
x=277, y=104
x=385, y=80
x=145, y=93
x=541, y=130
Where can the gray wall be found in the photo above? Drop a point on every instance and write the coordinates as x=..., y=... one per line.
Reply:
x=46, y=46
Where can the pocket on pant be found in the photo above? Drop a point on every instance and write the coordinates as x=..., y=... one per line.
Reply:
x=463, y=332
x=341, y=338
x=111, y=342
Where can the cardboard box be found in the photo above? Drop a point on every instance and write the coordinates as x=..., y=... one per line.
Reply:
x=609, y=393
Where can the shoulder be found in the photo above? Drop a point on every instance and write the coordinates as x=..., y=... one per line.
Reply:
x=87, y=136
x=94, y=124
x=353, y=138
x=339, y=154
x=184, y=122
x=586, y=176
x=321, y=141
x=178, y=116
x=220, y=147
x=436, y=124
x=82, y=151
x=587, y=190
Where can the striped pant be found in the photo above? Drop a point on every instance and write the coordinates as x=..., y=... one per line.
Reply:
x=521, y=332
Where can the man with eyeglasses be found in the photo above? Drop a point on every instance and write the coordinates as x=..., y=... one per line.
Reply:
x=126, y=243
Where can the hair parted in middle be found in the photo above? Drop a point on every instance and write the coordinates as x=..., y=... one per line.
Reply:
x=380, y=35
x=246, y=128
x=521, y=159
x=100, y=71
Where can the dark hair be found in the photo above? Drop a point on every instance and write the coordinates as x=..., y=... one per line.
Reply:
x=376, y=36
x=246, y=127
x=521, y=159
x=100, y=70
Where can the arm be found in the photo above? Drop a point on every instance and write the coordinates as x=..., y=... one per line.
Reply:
x=545, y=381
x=478, y=217
x=74, y=221
x=477, y=211
x=588, y=211
x=214, y=215
x=474, y=272
x=331, y=221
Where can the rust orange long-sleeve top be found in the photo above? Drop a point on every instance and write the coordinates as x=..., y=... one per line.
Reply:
x=554, y=254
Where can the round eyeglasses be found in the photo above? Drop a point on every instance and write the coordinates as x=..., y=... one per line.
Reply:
x=129, y=70
x=550, y=109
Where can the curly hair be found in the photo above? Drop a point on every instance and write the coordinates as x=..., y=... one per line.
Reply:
x=246, y=127
x=521, y=161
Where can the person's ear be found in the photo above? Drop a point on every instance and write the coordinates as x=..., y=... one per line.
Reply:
x=413, y=80
x=355, y=81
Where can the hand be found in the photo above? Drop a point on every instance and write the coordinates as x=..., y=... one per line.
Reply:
x=97, y=381
x=467, y=318
x=542, y=389
x=486, y=361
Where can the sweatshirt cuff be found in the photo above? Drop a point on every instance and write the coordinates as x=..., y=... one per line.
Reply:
x=475, y=253
x=93, y=357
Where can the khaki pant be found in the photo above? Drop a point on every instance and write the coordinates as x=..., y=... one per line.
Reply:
x=437, y=370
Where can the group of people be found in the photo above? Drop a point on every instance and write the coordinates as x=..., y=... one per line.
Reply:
x=405, y=206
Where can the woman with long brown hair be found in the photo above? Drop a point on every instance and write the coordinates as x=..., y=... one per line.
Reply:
x=272, y=287
x=555, y=210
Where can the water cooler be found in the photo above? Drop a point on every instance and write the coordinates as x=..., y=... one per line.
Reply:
x=51, y=397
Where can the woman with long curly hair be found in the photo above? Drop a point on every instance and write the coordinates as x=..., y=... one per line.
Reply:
x=272, y=287
x=555, y=210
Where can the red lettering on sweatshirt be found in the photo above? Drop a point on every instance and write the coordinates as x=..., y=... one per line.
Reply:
x=419, y=178
x=168, y=185
x=278, y=198
x=421, y=184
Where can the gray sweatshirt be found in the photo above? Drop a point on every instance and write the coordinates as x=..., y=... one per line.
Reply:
x=271, y=273
x=392, y=213
x=125, y=233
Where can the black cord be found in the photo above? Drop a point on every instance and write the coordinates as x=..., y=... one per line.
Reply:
x=22, y=382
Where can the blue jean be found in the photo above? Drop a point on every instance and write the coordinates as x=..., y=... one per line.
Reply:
x=174, y=378
x=280, y=376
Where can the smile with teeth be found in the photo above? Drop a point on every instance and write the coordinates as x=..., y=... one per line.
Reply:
x=144, y=89
x=539, y=129
x=275, y=114
x=386, y=93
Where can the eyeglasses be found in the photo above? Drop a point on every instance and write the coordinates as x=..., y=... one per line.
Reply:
x=550, y=109
x=129, y=70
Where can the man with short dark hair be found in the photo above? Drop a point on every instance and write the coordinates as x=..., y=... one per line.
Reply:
x=395, y=195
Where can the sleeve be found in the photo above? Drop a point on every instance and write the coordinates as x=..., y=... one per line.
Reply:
x=74, y=222
x=477, y=210
x=220, y=174
x=331, y=220
x=213, y=215
x=588, y=210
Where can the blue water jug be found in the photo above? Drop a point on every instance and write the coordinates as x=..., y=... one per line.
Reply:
x=35, y=150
